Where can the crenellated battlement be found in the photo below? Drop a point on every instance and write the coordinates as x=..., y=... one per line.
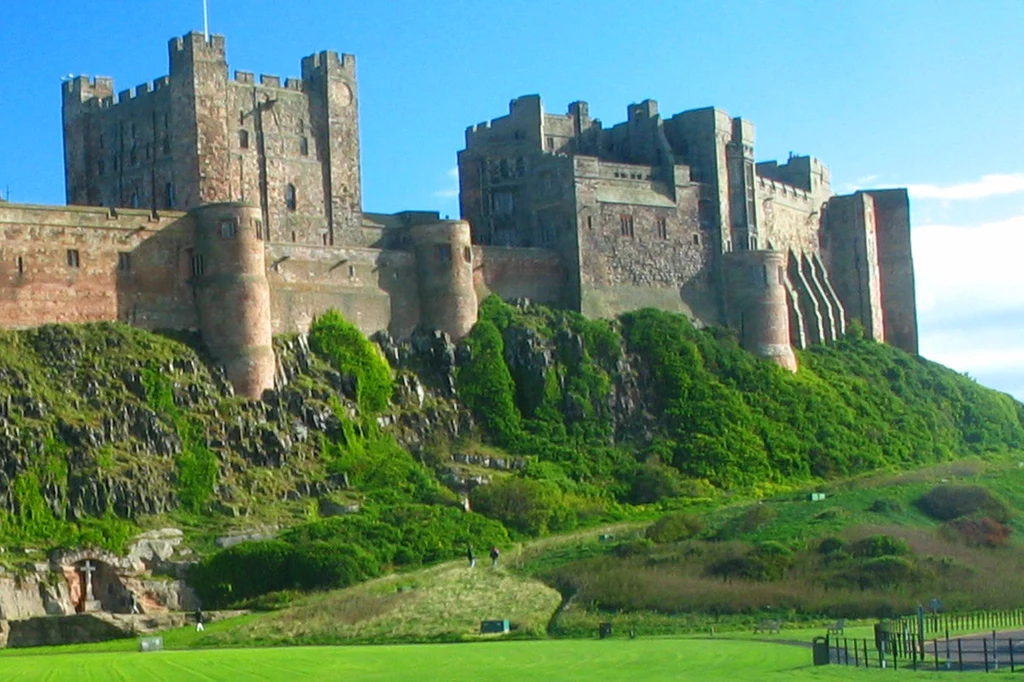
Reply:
x=195, y=42
x=330, y=62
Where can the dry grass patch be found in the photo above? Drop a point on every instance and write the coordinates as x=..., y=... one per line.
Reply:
x=445, y=602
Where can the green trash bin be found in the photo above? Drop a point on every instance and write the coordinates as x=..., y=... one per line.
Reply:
x=820, y=647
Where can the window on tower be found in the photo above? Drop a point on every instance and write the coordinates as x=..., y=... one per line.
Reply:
x=289, y=197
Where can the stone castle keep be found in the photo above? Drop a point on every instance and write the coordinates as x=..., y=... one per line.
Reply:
x=232, y=205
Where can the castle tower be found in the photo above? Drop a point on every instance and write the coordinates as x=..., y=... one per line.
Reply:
x=232, y=294
x=199, y=78
x=756, y=292
x=330, y=83
x=444, y=271
x=851, y=243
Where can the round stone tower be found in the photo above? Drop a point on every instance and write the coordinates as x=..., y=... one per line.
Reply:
x=757, y=304
x=232, y=293
x=444, y=273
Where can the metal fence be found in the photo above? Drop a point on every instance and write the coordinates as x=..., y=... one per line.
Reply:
x=899, y=644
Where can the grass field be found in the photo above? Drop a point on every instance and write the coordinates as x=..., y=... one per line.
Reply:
x=641, y=659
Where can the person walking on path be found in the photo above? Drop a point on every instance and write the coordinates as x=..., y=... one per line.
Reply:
x=494, y=557
x=471, y=556
x=200, y=620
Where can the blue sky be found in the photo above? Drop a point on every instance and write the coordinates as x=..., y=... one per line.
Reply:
x=920, y=93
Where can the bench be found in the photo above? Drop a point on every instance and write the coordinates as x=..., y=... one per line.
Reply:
x=769, y=626
x=838, y=628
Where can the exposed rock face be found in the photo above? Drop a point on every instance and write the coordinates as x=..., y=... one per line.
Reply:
x=156, y=545
x=59, y=630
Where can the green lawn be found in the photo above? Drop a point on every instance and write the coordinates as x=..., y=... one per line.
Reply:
x=616, y=659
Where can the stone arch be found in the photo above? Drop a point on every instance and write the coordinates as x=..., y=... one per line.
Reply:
x=97, y=580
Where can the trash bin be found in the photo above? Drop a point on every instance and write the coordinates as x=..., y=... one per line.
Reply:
x=604, y=630
x=819, y=645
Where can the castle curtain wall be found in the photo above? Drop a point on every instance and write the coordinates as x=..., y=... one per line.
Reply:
x=77, y=264
x=375, y=289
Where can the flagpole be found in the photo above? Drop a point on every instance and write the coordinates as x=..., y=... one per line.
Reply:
x=206, y=22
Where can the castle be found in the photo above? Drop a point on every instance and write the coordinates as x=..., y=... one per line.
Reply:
x=232, y=206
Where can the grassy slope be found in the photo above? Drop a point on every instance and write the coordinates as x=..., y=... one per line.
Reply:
x=643, y=659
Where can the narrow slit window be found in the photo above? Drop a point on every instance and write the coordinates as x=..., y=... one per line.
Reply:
x=243, y=139
x=304, y=146
x=124, y=262
x=72, y=258
x=626, y=225
x=289, y=197
x=21, y=265
x=661, y=228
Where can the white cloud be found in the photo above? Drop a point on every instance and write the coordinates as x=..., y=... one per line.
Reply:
x=452, y=180
x=991, y=185
x=970, y=298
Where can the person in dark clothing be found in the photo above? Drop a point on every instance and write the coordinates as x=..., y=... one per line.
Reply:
x=471, y=556
x=494, y=557
x=200, y=620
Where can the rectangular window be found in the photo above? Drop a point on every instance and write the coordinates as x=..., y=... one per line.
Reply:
x=197, y=265
x=21, y=265
x=626, y=225
x=243, y=139
x=590, y=222
x=443, y=253
x=258, y=226
x=467, y=254
x=661, y=228
x=72, y=256
x=351, y=271
x=550, y=144
x=124, y=262
x=503, y=203
x=228, y=229
x=304, y=146
x=169, y=195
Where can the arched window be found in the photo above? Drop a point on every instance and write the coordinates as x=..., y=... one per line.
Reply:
x=289, y=197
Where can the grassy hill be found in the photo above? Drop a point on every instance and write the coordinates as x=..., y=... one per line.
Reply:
x=570, y=423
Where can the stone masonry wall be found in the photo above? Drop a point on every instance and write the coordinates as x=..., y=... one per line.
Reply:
x=78, y=264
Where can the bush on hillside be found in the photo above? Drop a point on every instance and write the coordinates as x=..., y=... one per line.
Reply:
x=655, y=481
x=951, y=501
x=879, y=546
x=675, y=527
x=768, y=561
x=528, y=506
x=348, y=351
x=979, y=531
x=485, y=384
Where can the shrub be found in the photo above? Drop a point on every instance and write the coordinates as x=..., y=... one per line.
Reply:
x=767, y=562
x=246, y=570
x=330, y=564
x=887, y=572
x=879, y=546
x=655, y=481
x=886, y=506
x=526, y=505
x=831, y=545
x=348, y=351
x=980, y=531
x=948, y=502
x=675, y=527
x=485, y=384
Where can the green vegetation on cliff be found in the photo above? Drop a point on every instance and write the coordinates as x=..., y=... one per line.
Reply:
x=106, y=429
x=584, y=393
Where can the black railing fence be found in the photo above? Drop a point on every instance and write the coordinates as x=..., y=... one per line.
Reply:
x=899, y=643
